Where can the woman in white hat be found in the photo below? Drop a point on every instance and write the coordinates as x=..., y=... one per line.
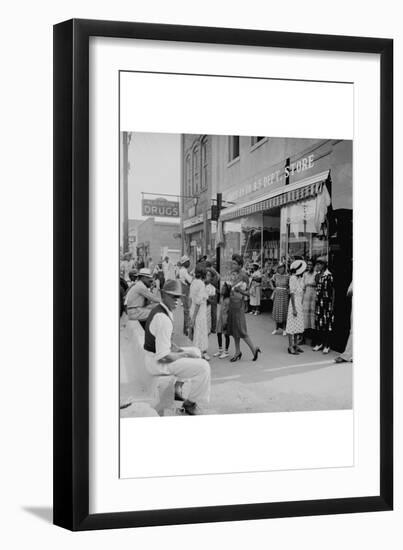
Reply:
x=295, y=317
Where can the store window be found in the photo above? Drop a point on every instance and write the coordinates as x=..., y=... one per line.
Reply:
x=300, y=235
x=256, y=139
x=242, y=236
x=233, y=148
x=279, y=234
x=271, y=237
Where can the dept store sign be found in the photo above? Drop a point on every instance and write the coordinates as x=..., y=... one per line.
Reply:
x=272, y=180
x=193, y=221
x=160, y=207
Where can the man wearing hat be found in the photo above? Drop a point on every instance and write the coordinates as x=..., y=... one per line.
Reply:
x=186, y=280
x=139, y=299
x=164, y=358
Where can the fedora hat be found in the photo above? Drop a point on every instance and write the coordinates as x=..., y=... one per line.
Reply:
x=145, y=272
x=185, y=259
x=173, y=286
x=298, y=266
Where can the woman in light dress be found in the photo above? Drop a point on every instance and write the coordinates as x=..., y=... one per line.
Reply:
x=198, y=311
x=295, y=316
x=255, y=290
x=309, y=302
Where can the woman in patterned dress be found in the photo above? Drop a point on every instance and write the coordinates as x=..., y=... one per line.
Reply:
x=324, y=317
x=280, y=282
x=295, y=317
x=236, y=324
x=309, y=301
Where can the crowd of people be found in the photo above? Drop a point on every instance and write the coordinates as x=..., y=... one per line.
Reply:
x=302, y=294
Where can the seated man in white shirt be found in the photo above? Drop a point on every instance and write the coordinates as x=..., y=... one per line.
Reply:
x=163, y=357
x=139, y=299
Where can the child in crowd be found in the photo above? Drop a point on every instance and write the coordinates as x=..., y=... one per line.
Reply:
x=222, y=353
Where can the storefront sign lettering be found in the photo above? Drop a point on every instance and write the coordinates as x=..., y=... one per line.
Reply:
x=193, y=221
x=160, y=207
x=273, y=179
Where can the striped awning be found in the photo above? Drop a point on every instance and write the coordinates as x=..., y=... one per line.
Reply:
x=304, y=189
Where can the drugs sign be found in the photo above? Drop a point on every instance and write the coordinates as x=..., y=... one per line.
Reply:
x=160, y=207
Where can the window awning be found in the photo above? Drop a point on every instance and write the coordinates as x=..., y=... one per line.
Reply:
x=303, y=189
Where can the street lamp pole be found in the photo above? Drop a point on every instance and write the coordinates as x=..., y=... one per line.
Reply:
x=218, y=250
x=125, y=162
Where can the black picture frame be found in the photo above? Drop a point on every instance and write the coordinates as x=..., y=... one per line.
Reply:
x=71, y=273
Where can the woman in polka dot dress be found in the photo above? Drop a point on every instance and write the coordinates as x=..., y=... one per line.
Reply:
x=295, y=317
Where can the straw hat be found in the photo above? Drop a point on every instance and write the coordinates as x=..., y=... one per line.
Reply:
x=145, y=272
x=298, y=266
x=185, y=259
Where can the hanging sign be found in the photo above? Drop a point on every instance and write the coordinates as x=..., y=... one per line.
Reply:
x=160, y=207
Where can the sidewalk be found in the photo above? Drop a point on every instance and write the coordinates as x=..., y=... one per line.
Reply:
x=278, y=381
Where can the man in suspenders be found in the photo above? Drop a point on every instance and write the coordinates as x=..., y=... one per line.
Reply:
x=164, y=357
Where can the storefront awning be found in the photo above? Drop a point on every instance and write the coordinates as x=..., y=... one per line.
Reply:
x=303, y=189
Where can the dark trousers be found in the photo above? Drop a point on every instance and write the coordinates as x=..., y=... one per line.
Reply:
x=186, y=309
x=213, y=304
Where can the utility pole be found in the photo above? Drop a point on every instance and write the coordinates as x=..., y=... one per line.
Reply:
x=218, y=249
x=125, y=163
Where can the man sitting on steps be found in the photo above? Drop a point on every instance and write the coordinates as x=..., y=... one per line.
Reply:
x=163, y=357
x=139, y=298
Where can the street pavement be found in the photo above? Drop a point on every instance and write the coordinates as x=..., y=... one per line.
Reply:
x=277, y=381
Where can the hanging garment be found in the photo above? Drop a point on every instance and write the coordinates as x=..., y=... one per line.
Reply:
x=323, y=202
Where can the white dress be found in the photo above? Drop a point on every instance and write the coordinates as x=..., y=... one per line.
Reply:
x=295, y=324
x=255, y=289
x=198, y=296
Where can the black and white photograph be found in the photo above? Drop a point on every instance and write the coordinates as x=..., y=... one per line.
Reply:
x=199, y=200
x=231, y=224
x=236, y=274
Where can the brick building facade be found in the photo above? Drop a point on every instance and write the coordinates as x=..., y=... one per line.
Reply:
x=157, y=239
x=196, y=195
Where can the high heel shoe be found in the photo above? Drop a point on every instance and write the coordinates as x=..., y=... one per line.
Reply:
x=236, y=357
x=256, y=354
x=292, y=351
